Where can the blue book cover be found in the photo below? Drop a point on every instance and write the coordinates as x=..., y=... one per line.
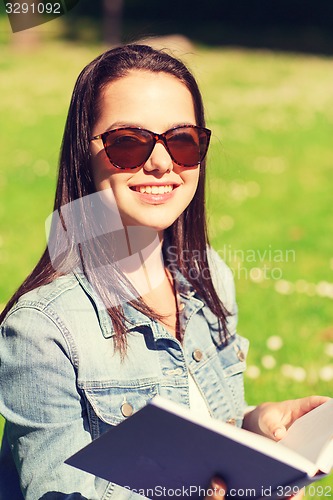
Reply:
x=163, y=450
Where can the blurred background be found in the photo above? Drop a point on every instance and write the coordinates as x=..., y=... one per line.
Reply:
x=265, y=70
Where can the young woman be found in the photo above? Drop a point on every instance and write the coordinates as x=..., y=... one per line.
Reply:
x=129, y=300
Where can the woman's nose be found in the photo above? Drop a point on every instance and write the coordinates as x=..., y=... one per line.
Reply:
x=159, y=160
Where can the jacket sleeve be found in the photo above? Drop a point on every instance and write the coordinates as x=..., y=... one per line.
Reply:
x=45, y=413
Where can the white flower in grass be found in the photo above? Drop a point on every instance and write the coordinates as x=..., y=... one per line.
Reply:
x=299, y=374
x=268, y=362
x=324, y=289
x=257, y=275
x=253, y=189
x=284, y=287
x=312, y=376
x=329, y=349
x=294, y=372
x=328, y=290
x=271, y=165
x=226, y=222
x=274, y=343
x=252, y=371
x=287, y=370
x=41, y=167
x=237, y=191
x=326, y=373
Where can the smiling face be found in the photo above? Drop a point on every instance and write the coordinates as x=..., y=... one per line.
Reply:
x=155, y=194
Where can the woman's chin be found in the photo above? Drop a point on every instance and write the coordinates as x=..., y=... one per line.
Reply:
x=158, y=221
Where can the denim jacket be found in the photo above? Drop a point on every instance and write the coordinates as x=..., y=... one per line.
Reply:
x=62, y=383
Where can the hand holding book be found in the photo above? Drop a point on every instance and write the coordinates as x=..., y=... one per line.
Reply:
x=274, y=419
x=271, y=420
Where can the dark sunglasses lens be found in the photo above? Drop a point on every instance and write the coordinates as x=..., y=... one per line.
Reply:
x=188, y=145
x=128, y=148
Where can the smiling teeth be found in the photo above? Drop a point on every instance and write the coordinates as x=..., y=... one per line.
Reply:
x=155, y=189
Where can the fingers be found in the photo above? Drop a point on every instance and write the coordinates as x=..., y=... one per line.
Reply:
x=311, y=402
x=274, y=419
x=217, y=490
x=279, y=432
x=293, y=410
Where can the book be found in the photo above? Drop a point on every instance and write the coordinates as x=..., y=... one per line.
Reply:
x=163, y=450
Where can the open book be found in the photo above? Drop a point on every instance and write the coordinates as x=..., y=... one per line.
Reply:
x=163, y=450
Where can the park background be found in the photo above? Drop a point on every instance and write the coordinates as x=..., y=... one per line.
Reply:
x=267, y=79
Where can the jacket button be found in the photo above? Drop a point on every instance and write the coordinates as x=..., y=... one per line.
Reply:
x=241, y=355
x=231, y=421
x=126, y=409
x=181, y=306
x=197, y=355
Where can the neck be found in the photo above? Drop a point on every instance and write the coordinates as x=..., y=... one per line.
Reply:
x=143, y=264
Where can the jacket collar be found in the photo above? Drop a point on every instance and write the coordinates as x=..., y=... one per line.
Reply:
x=134, y=318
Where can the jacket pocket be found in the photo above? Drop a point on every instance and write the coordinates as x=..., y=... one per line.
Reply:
x=109, y=403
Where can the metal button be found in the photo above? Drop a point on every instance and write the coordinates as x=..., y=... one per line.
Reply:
x=241, y=355
x=231, y=421
x=197, y=355
x=181, y=306
x=126, y=409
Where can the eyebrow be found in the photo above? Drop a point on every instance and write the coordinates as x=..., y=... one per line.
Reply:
x=123, y=125
x=120, y=124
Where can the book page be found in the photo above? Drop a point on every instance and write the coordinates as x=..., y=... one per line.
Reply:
x=312, y=436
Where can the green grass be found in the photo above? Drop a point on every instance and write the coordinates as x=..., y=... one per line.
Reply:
x=269, y=193
x=271, y=207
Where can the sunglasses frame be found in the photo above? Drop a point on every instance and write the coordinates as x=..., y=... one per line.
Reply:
x=156, y=138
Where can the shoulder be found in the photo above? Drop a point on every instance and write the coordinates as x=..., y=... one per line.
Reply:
x=54, y=296
x=46, y=295
x=53, y=307
x=222, y=278
x=218, y=265
x=46, y=299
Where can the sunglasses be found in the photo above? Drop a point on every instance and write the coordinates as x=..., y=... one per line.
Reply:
x=130, y=147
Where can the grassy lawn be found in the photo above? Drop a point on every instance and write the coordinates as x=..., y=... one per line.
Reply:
x=269, y=197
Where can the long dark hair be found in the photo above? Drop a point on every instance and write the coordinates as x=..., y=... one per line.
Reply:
x=187, y=235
